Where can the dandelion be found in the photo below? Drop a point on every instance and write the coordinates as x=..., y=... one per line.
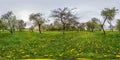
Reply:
x=27, y=55
x=118, y=56
x=20, y=50
x=61, y=54
x=45, y=55
x=81, y=52
x=119, y=53
x=96, y=52
x=3, y=49
x=10, y=51
x=8, y=56
x=72, y=50
x=13, y=50
x=35, y=52
x=50, y=55
x=105, y=55
x=23, y=52
x=78, y=54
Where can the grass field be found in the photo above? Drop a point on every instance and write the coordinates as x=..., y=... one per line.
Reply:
x=54, y=44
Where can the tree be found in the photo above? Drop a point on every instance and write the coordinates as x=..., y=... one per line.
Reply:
x=57, y=25
x=31, y=28
x=21, y=25
x=37, y=19
x=81, y=26
x=99, y=25
x=108, y=15
x=64, y=15
x=10, y=20
x=92, y=24
x=74, y=25
x=118, y=24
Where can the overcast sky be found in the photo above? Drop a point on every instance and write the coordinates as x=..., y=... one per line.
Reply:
x=85, y=8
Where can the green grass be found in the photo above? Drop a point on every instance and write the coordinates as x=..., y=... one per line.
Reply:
x=54, y=44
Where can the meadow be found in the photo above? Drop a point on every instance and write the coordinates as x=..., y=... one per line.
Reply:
x=55, y=45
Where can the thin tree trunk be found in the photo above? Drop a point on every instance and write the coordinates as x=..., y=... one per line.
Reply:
x=92, y=30
x=63, y=28
x=20, y=30
x=11, y=30
x=39, y=26
x=102, y=26
x=111, y=26
x=3, y=30
x=112, y=29
x=32, y=30
x=103, y=30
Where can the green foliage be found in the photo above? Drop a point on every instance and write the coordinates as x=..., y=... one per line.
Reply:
x=93, y=24
x=10, y=20
x=108, y=14
x=65, y=16
x=21, y=25
x=37, y=19
x=56, y=45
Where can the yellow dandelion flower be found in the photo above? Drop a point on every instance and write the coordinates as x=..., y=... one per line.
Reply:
x=35, y=52
x=8, y=56
x=27, y=55
x=118, y=56
x=45, y=55
x=10, y=51
x=105, y=55
x=119, y=53
x=50, y=55
x=96, y=52
x=61, y=54
x=83, y=59
x=3, y=49
x=20, y=50
x=23, y=52
x=72, y=50
x=78, y=54
x=13, y=50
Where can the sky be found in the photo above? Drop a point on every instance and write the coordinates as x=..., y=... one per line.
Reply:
x=86, y=9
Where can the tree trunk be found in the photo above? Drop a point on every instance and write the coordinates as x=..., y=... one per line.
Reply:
x=63, y=28
x=32, y=30
x=103, y=30
x=102, y=26
x=3, y=30
x=112, y=29
x=111, y=26
x=92, y=30
x=20, y=30
x=11, y=30
x=39, y=26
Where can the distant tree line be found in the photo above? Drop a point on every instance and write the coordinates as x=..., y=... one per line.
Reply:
x=65, y=19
